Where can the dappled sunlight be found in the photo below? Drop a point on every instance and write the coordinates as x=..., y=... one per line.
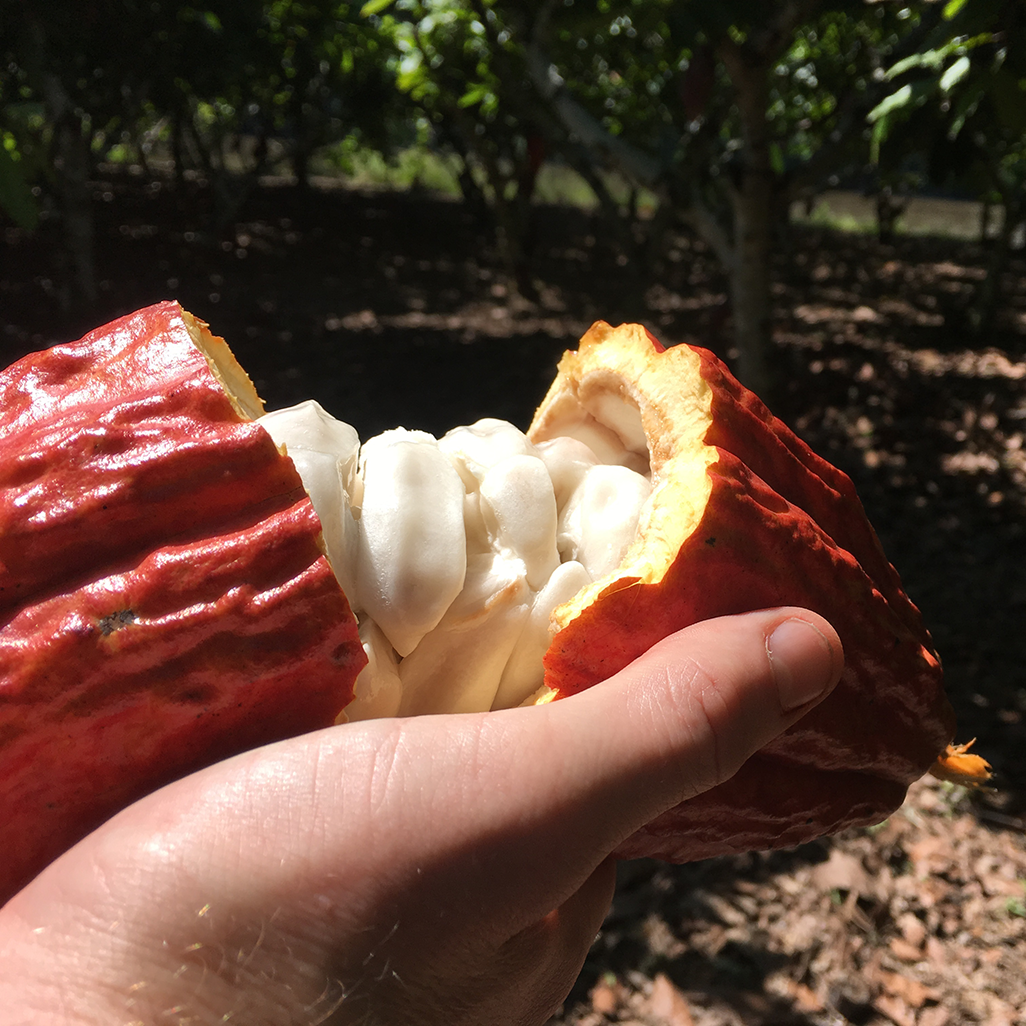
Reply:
x=969, y=363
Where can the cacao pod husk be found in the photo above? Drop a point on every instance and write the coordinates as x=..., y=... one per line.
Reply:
x=165, y=600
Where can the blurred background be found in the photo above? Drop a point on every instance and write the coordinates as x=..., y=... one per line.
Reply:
x=408, y=210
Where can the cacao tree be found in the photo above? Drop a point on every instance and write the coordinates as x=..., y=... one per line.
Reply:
x=726, y=112
x=322, y=73
x=458, y=66
x=961, y=100
x=79, y=78
x=92, y=75
x=51, y=63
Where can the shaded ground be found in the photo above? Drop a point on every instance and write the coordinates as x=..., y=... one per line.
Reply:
x=392, y=309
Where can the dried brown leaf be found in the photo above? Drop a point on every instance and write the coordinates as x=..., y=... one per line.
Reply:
x=606, y=996
x=935, y=1016
x=901, y=949
x=912, y=992
x=912, y=929
x=931, y=855
x=667, y=1005
x=895, y=1009
x=804, y=997
x=842, y=872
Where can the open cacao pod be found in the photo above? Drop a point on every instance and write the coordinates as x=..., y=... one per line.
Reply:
x=174, y=590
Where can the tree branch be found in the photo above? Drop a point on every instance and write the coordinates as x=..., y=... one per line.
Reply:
x=855, y=106
x=578, y=121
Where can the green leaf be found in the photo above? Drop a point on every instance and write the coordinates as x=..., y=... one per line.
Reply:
x=929, y=59
x=409, y=80
x=15, y=193
x=933, y=60
x=473, y=95
x=889, y=104
x=374, y=7
x=879, y=136
x=954, y=74
x=963, y=108
x=952, y=9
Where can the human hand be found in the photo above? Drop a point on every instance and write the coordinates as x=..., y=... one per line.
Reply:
x=437, y=870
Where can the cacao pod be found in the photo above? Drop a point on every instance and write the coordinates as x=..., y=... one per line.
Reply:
x=168, y=596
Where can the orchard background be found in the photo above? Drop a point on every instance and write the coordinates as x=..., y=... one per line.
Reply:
x=408, y=210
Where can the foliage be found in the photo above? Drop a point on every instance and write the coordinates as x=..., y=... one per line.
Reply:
x=722, y=113
x=726, y=111
x=15, y=192
x=213, y=84
x=961, y=99
x=962, y=93
x=308, y=72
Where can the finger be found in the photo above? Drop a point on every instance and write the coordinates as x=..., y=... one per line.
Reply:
x=535, y=797
x=587, y=772
x=692, y=711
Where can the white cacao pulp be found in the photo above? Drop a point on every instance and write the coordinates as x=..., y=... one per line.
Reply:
x=454, y=552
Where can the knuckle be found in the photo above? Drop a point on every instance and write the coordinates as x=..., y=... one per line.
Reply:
x=689, y=711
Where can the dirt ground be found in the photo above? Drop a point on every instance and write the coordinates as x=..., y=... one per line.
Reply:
x=393, y=309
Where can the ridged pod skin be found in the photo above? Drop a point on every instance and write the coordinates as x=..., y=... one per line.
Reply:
x=777, y=526
x=164, y=600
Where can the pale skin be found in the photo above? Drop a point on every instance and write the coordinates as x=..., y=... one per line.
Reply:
x=435, y=871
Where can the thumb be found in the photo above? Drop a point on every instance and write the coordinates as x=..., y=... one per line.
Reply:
x=688, y=714
x=593, y=769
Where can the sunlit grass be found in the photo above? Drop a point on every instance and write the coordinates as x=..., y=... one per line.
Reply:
x=413, y=167
x=558, y=184
x=353, y=164
x=854, y=212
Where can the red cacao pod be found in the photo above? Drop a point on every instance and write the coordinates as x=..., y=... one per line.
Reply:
x=762, y=522
x=165, y=600
x=163, y=594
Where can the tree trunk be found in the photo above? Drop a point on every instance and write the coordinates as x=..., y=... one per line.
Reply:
x=72, y=163
x=750, y=287
x=987, y=300
x=745, y=246
x=754, y=200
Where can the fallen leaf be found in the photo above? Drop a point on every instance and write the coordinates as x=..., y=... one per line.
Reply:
x=606, y=996
x=935, y=1016
x=895, y=1009
x=931, y=856
x=912, y=992
x=912, y=929
x=994, y=884
x=901, y=949
x=842, y=872
x=1001, y=1012
x=936, y=952
x=667, y=1005
x=803, y=996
